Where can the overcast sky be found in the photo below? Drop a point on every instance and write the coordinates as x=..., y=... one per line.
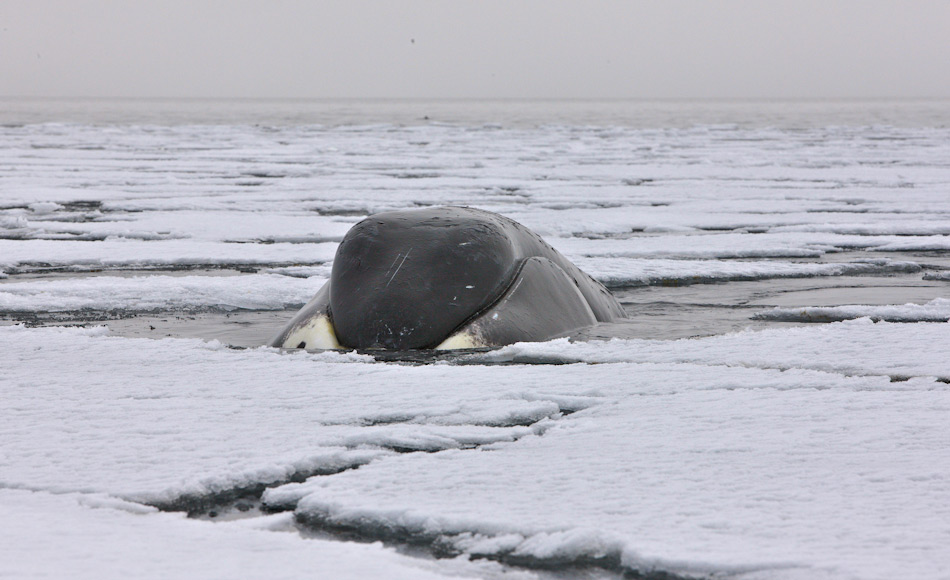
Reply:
x=476, y=49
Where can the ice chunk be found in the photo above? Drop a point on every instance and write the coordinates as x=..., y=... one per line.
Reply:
x=937, y=310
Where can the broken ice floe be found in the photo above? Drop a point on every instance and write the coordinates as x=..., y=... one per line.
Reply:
x=631, y=272
x=691, y=426
x=96, y=537
x=739, y=454
x=44, y=255
x=937, y=310
x=159, y=293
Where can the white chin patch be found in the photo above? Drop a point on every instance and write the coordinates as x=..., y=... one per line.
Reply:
x=460, y=340
x=317, y=334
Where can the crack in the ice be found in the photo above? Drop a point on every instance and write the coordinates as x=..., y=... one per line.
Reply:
x=893, y=378
x=196, y=504
x=448, y=545
x=249, y=499
x=286, y=240
x=856, y=270
x=526, y=420
x=495, y=359
x=199, y=504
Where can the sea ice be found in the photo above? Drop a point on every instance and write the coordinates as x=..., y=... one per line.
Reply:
x=808, y=451
x=722, y=454
x=84, y=536
x=148, y=293
x=937, y=310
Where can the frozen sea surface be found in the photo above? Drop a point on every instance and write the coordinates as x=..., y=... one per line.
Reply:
x=774, y=408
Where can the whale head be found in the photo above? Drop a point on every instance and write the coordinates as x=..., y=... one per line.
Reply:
x=406, y=279
x=445, y=278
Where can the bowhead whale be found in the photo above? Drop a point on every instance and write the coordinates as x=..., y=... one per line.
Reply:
x=446, y=278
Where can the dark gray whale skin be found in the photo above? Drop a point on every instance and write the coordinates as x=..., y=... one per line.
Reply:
x=412, y=279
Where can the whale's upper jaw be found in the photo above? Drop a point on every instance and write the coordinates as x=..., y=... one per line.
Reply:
x=407, y=280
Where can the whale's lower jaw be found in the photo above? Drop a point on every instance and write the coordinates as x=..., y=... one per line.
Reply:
x=316, y=334
x=461, y=341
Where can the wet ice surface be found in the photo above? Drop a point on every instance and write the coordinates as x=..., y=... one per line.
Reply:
x=774, y=408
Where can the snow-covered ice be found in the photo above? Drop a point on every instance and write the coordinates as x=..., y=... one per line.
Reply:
x=160, y=292
x=723, y=454
x=738, y=483
x=854, y=347
x=135, y=254
x=937, y=310
x=627, y=272
x=93, y=537
x=787, y=452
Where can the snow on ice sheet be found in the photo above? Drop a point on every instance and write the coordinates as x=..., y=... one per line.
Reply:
x=937, y=310
x=741, y=245
x=791, y=452
x=92, y=537
x=146, y=293
x=631, y=272
x=144, y=254
x=840, y=482
x=220, y=225
x=155, y=420
x=855, y=347
x=699, y=466
x=161, y=181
